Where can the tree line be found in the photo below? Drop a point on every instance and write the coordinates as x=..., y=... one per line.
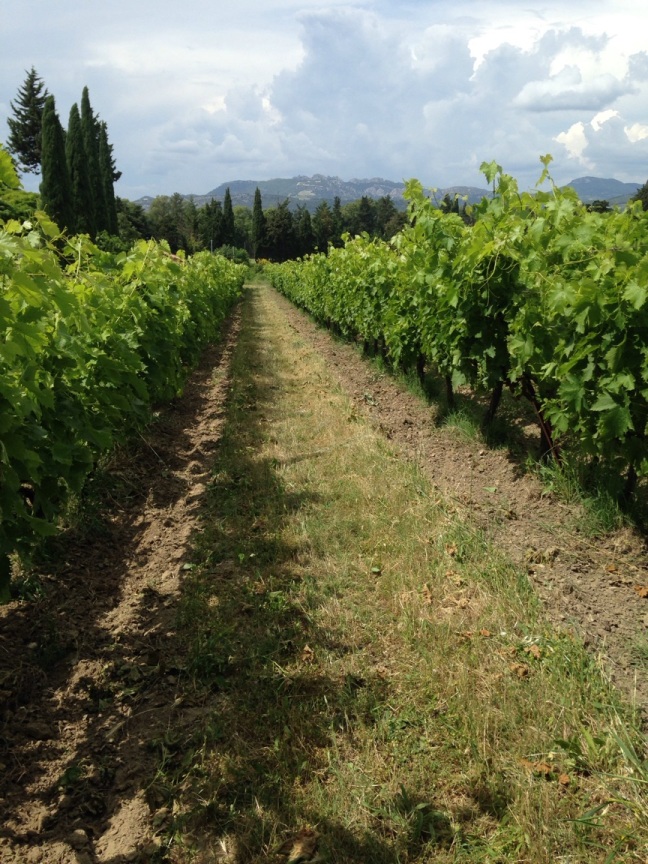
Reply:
x=77, y=192
x=76, y=163
x=277, y=233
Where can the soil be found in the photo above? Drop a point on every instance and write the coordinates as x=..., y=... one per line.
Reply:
x=91, y=670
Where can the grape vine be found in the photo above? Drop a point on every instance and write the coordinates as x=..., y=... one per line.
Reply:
x=90, y=342
x=538, y=295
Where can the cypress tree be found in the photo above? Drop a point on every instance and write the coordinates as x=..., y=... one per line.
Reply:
x=258, y=225
x=338, y=222
x=56, y=197
x=304, y=233
x=228, y=230
x=77, y=163
x=91, y=143
x=26, y=126
x=107, y=171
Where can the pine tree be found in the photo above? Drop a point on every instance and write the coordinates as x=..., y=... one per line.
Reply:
x=282, y=240
x=642, y=195
x=258, y=225
x=192, y=230
x=228, y=228
x=77, y=162
x=366, y=216
x=56, y=198
x=25, y=127
x=323, y=226
x=385, y=213
x=178, y=235
x=210, y=223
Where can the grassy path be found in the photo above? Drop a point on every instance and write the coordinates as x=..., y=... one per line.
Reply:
x=376, y=675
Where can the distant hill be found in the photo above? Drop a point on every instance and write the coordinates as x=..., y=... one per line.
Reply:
x=591, y=189
x=308, y=191
x=311, y=191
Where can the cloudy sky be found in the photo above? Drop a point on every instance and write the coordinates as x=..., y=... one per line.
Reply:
x=198, y=93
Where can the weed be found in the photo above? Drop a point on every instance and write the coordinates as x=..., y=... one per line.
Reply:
x=597, y=494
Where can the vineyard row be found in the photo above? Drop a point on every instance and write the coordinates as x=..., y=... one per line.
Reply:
x=534, y=293
x=91, y=342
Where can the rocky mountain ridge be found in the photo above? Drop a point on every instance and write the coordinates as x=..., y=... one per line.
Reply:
x=311, y=191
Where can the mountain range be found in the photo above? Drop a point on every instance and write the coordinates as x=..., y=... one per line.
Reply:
x=311, y=191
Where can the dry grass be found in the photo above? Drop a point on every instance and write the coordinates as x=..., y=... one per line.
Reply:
x=370, y=667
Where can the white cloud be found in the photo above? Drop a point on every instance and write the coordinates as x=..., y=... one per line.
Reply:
x=568, y=90
x=354, y=87
x=591, y=145
x=602, y=117
x=575, y=142
x=636, y=132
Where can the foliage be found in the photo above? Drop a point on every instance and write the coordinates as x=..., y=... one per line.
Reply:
x=78, y=167
x=90, y=342
x=96, y=206
x=55, y=189
x=279, y=233
x=228, y=227
x=15, y=203
x=258, y=226
x=79, y=164
x=234, y=253
x=304, y=234
x=642, y=196
x=540, y=294
x=323, y=226
x=132, y=222
x=106, y=212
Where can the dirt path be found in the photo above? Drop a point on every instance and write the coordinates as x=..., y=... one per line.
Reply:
x=591, y=585
x=91, y=673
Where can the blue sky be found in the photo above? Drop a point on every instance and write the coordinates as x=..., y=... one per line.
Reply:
x=200, y=93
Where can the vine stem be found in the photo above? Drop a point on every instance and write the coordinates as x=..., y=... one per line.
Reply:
x=549, y=446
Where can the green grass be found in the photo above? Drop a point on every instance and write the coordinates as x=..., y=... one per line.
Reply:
x=370, y=666
x=596, y=494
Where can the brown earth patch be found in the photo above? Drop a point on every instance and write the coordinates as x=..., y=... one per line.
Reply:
x=90, y=672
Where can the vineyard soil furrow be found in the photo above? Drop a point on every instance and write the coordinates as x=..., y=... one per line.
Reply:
x=90, y=670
